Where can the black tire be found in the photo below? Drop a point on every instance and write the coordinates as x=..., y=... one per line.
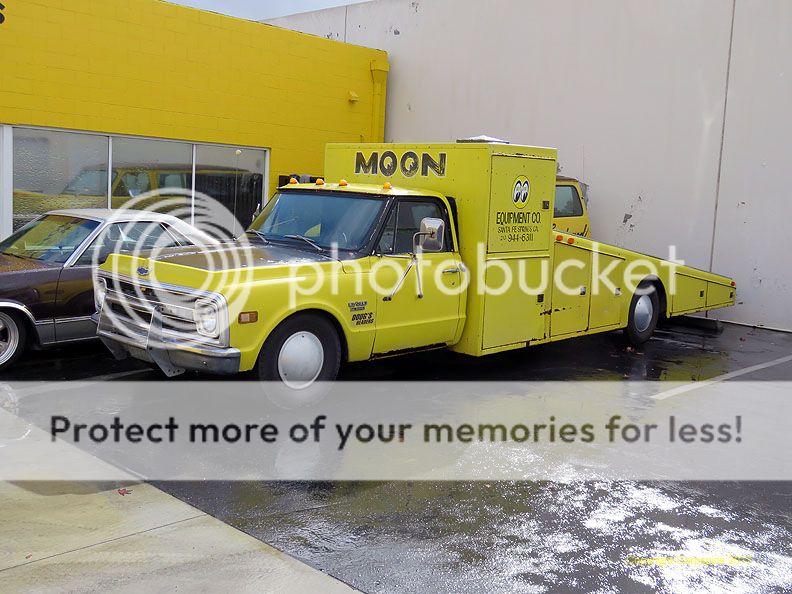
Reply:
x=13, y=331
x=641, y=326
x=267, y=367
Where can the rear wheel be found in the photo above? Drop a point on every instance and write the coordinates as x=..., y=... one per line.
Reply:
x=644, y=312
x=13, y=339
x=302, y=350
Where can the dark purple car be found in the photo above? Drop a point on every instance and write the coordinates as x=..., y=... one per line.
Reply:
x=47, y=267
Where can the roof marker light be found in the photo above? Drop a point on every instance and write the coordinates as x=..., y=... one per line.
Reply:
x=293, y=181
x=387, y=186
x=343, y=183
x=559, y=237
x=571, y=240
x=320, y=182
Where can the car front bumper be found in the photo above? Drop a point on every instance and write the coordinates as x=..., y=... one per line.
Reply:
x=172, y=356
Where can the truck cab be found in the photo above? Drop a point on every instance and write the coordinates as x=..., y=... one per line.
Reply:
x=404, y=248
x=570, y=209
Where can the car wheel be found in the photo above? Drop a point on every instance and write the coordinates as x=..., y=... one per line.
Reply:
x=644, y=312
x=13, y=339
x=302, y=350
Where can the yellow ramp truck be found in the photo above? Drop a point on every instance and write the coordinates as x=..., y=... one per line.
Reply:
x=404, y=248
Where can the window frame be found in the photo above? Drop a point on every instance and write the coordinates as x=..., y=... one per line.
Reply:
x=448, y=238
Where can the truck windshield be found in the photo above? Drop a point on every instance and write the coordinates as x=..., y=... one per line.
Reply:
x=52, y=238
x=326, y=219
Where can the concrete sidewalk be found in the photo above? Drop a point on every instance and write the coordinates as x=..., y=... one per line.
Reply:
x=132, y=537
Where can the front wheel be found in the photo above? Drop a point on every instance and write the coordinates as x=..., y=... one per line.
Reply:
x=302, y=350
x=644, y=312
x=13, y=339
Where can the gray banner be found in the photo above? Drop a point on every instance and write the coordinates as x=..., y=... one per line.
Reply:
x=396, y=431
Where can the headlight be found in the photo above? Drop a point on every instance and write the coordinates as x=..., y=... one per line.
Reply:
x=207, y=318
x=100, y=292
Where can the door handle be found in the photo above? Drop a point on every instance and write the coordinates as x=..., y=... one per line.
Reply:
x=451, y=271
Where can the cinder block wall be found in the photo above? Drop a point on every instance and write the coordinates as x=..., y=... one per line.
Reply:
x=676, y=113
x=152, y=68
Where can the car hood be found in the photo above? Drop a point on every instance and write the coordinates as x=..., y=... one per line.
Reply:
x=218, y=267
x=27, y=281
x=11, y=264
x=230, y=256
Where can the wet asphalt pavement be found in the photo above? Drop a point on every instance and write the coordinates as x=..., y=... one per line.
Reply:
x=516, y=536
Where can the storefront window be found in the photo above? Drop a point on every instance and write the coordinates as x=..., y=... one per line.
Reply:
x=234, y=177
x=158, y=166
x=55, y=170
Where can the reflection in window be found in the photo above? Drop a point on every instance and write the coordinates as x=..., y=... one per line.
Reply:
x=65, y=170
x=234, y=177
x=56, y=170
x=141, y=165
x=50, y=239
x=132, y=184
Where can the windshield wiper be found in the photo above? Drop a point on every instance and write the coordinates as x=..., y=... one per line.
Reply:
x=258, y=234
x=307, y=240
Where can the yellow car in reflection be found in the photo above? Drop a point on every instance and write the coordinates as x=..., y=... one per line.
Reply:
x=239, y=190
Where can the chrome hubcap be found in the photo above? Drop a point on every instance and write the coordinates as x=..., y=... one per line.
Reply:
x=300, y=359
x=9, y=338
x=643, y=313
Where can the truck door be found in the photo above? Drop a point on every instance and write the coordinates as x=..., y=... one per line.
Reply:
x=571, y=290
x=518, y=258
x=403, y=319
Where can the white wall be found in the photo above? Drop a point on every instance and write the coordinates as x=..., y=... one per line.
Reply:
x=753, y=235
x=632, y=94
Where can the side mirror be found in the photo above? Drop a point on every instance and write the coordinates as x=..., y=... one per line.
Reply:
x=431, y=236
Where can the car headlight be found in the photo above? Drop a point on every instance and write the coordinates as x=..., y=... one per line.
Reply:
x=100, y=292
x=207, y=318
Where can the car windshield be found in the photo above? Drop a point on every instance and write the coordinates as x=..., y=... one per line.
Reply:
x=89, y=182
x=51, y=238
x=327, y=220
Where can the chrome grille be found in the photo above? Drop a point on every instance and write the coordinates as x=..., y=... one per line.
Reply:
x=129, y=307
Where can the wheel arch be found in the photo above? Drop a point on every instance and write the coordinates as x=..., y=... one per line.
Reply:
x=661, y=293
x=327, y=315
x=23, y=313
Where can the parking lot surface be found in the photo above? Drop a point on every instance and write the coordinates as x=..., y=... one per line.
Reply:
x=518, y=536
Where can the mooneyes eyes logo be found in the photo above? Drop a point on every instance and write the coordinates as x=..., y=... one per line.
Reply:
x=143, y=271
x=522, y=188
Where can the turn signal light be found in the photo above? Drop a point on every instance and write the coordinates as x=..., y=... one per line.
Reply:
x=248, y=317
x=293, y=181
x=320, y=182
x=343, y=183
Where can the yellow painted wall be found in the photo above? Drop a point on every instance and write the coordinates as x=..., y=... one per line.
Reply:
x=151, y=68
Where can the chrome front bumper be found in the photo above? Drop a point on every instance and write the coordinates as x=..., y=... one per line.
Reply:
x=172, y=356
